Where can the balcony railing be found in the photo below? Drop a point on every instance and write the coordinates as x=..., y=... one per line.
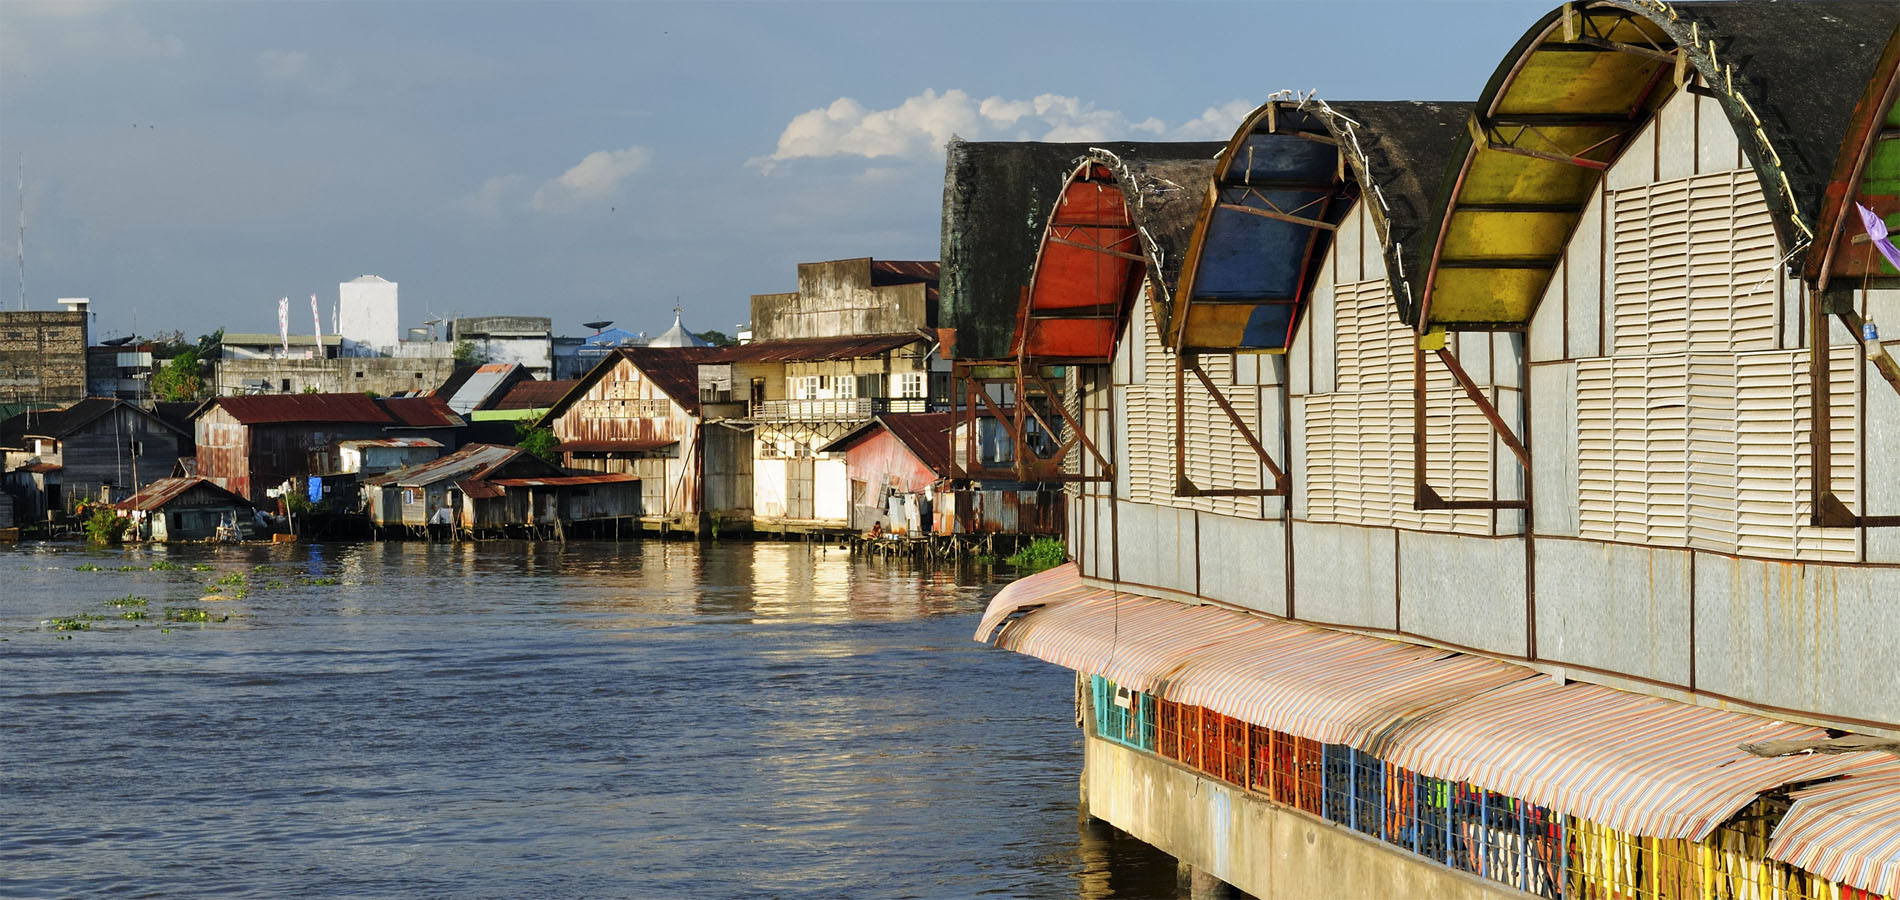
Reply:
x=849, y=409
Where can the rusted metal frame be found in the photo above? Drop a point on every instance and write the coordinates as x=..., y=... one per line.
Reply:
x=1877, y=133
x=974, y=385
x=1882, y=362
x=1547, y=157
x=1185, y=486
x=1279, y=475
x=1279, y=216
x=1590, y=44
x=1425, y=497
x=1080, y=435
x=1829, y=510
x=1487, y=407
x=1255, y=193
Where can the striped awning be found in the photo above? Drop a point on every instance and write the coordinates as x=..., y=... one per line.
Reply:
x=1847, y=830
x=1330, y=686
x=1639, y=764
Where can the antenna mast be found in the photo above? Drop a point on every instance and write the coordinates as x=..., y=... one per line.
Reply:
x=21, y=195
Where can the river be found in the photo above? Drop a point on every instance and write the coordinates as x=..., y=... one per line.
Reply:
x=642, y=719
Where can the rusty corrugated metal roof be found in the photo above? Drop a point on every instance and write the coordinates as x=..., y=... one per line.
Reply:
x=926, y=435
x=392, y=442
x=421, y=412
x=163, y=491
x=276, y=409
x=535, y=394
x=566, y=480
x=469, y=463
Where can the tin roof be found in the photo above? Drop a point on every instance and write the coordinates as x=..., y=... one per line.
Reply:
x=62, y=423
x=421, y=412
x=279, y=409
x=163, y=491
x=612, y=446
x=926, y=435
x=483, y=387
x=535, y=394
x=472, y=462
x=391, y=442
x=567, y=480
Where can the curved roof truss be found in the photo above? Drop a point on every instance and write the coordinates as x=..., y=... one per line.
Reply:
x=1581, y=83
x=1868, y=174
x=1087, y=273
x=1281, y=189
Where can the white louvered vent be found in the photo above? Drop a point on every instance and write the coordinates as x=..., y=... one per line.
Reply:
x=1711, y=451
x=1695, y=267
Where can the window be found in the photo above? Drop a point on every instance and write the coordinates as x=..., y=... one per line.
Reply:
x=908, y=384
x=286, y=386
x=844, y=387
x=804, y=387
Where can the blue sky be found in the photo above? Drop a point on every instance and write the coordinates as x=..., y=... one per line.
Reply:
x=189, y=163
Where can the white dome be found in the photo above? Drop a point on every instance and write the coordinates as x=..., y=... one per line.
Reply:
x=678, y=336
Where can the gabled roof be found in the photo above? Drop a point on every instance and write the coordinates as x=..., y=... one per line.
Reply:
x=474, y=462
x=165, y=490
x=484, y=386
x=280, y=409
x=62, y=423
x=997, y=197
x=926, y=435
x=399, y=443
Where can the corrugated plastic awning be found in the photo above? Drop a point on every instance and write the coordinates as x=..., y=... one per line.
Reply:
x=1847, y=831
x=1638, y=764
x=1326, y=685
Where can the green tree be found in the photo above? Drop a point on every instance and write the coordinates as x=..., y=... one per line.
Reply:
x=538, y=441
x=465, y=354
x=182, y=378
x=716, y=338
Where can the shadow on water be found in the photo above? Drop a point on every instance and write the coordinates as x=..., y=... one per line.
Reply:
x=641, y=719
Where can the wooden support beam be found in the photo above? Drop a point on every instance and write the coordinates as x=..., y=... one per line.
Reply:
x=1278, y=216
x=1120, y=254
x=1547, y=157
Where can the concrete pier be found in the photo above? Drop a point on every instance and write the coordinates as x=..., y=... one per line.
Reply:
x=1224, y=836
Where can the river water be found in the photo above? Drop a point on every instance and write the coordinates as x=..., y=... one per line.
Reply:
x=643, y=719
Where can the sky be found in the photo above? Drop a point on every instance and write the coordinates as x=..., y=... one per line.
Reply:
x=187, y=164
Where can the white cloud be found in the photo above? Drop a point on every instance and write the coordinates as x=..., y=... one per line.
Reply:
x=595, y=178
x=41, y=35
x=487, y=201
x=922, y=124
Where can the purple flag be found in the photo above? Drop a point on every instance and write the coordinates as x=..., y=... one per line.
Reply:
x=1877, y=232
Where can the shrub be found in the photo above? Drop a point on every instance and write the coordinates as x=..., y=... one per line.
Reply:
x=103, y=526
x=1041, y=553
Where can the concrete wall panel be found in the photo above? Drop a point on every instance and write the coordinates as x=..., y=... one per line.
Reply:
x=1616, y=607
x=1553, y=443
x=1799, y=636
x=1463, y=590
x=1243, y=562
x=1157, y=549
x=1343, y=574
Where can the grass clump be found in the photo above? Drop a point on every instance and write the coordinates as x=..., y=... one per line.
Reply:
x=1041, y=553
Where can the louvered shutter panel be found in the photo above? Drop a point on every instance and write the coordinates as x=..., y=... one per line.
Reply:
x=1694, y=267
x=1771, y=399
x=1711, y=453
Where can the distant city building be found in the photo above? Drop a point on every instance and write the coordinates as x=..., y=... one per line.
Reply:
x=526, y=341
x=43, y=357
x=366, y=316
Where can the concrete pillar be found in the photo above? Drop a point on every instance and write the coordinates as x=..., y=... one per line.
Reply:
x=1199, y=884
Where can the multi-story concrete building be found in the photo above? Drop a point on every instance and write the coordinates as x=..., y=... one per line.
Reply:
x=43, y=356
x=1483, y=501
x=368, y=317
x=526, y=341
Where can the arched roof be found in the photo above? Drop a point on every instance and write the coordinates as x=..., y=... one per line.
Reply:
x=1867, y=173
x=1116, y=223
x=1284, y=183
x=1585, y=79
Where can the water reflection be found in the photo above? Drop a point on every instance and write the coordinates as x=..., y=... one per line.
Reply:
x=641, y=719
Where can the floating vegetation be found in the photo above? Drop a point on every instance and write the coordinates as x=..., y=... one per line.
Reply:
x=1041, y=553
x=273, y=585
x=165, y=565
x=323, y=581
x=133, y=614
x=201, y=567
x=127, y=600
x=193, y=614
x=233, y=578
x=86, y=567
x=76, y=622
x=131, y=568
